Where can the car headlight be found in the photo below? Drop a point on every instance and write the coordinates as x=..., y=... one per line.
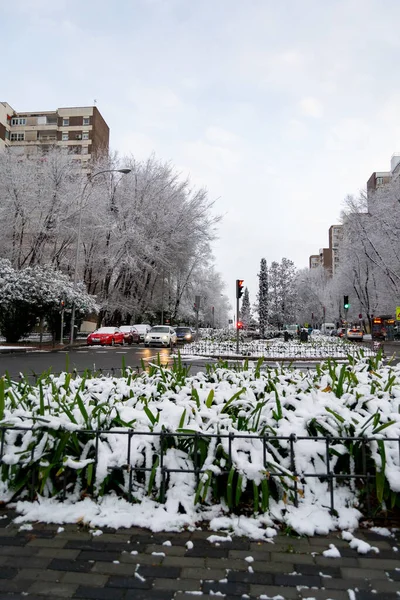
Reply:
x=164, y=338
x=147, y=337
x=188, y=336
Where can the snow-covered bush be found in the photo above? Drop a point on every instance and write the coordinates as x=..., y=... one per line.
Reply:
x=36, y=292
x=321, y=346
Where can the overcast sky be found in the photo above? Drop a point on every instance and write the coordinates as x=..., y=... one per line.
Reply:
x=279, y=108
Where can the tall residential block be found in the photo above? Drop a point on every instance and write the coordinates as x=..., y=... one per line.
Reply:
x=329, y=258
x=81, y=130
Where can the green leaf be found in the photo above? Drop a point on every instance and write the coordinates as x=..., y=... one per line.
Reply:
x=336, y=415
x=234, y=397
x=264, y=495
x=381, y=427
x=238, y=489
x=380, y=475
x=2, y=398
x=153, y=476
x=256, y=493
x=41, y=399
x=150, y=415
x=89, y=474
x=182, y=421
x=195, y=396
x=82, y=409
x=229, y=489
x=210, y=398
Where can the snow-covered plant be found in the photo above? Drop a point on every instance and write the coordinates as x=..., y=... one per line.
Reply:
x=31, y=293
x=259, y=439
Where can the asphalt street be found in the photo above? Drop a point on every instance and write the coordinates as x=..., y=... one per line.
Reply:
x=92, y=357
x=110, y=359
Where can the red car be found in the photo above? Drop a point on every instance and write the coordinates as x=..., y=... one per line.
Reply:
x=106, y=336
x=131, y=334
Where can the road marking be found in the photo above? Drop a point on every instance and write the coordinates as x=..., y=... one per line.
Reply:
x=119, y=352
x=82, y=351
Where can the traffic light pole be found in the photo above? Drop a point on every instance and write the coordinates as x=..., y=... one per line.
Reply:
x=62, y=327
x=237, y=323
x=239, y=294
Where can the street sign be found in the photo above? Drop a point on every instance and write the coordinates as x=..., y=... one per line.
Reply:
x=397, y=313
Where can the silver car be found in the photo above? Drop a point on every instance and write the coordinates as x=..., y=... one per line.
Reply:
x=160, y=335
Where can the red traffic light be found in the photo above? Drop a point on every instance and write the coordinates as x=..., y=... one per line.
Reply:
x=239, y=325
x=239, y=288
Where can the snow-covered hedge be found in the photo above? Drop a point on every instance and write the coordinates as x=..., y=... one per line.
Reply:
x=72, y=417
x=320, y=346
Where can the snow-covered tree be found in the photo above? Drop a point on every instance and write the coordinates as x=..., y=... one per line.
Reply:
x=145, y=237
x=282, y=292
x=245, y=312
x=369, y=270
x=263, y=297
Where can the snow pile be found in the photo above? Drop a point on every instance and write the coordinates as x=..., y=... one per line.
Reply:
x=243, y=450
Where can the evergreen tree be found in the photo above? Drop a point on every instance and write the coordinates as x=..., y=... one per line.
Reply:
x=282, y=292
x=263, y=297
x=246, y=310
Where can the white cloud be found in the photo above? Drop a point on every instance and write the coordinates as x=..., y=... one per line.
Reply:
x=218, y=135
x=311, y=107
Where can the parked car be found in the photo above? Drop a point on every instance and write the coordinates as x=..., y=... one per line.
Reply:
x=341, y=332
x=143, y=329
x=106, y=336
x=355, y=333
x=184, y=334
x=160, y=335
x=131, y=334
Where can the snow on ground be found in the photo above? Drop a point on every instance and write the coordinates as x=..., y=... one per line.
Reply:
x=359, y=399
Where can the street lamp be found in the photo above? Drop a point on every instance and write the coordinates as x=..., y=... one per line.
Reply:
x=78, y=242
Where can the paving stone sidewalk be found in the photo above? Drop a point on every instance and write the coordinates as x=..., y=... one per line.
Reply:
x=45, y=562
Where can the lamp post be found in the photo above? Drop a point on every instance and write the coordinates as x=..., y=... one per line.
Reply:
x=78, y=242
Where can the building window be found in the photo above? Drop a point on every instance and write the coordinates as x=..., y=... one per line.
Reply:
x=17, y=137
x=7, y=134
x=379, y=180
x=65, y=137
x=86, y=120
x=18, y=121
x=85, y=135
x=66, y=122
x=85, y=150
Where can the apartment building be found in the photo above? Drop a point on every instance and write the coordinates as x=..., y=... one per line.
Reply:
x=335, y=237
x=329, y=258
x=81, y=130
x=379, y=181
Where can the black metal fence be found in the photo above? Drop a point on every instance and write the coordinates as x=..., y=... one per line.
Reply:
x=363, y=474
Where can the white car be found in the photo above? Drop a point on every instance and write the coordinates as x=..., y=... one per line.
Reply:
x=355, y=333
x=161, y=335
x=143, y=329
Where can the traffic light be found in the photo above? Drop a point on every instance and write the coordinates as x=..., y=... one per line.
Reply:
x=346, y=303
x=239, y=288
x=239, y=325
